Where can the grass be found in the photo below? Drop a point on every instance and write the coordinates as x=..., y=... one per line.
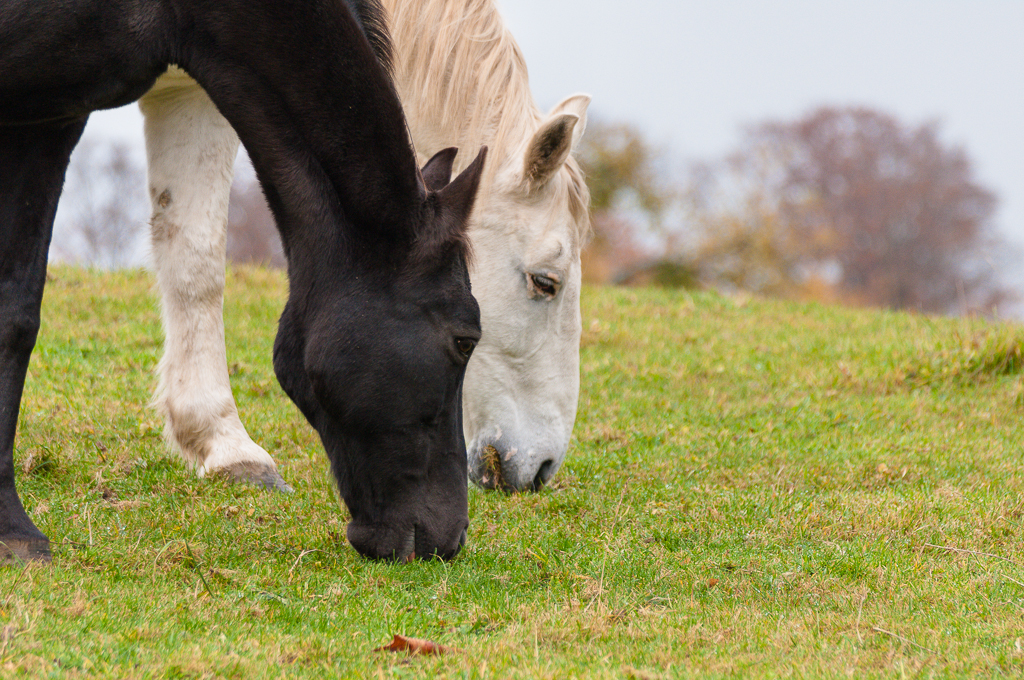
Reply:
x=755, y=489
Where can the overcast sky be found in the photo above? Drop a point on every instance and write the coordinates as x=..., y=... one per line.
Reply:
x=691, y=73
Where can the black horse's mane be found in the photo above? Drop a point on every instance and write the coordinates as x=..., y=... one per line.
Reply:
x=373, y=20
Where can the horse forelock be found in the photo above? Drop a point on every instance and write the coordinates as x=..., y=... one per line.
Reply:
x=429, y=249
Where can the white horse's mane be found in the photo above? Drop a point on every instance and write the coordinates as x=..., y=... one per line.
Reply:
x=483, y=91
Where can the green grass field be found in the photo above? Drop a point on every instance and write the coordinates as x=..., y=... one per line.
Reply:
x=754, y=489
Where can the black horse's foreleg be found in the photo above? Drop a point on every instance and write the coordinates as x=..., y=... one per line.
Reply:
x=33, y=160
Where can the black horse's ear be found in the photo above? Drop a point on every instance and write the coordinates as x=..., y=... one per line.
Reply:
x=437, y=172
x=452, y=204
x=456, y=199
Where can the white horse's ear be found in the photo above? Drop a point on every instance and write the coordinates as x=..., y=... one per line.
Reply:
x=549, y=148
x=576, y=104
x=557, y=137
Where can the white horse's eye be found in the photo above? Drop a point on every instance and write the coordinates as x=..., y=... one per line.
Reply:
x=543, y=285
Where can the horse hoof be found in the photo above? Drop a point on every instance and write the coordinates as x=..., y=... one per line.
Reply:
x=263, y=476
x=19, y=550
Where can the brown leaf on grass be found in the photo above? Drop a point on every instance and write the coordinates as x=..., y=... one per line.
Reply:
x=225, y=574
x=79, y=606
x=414, y=646
x=126, y=505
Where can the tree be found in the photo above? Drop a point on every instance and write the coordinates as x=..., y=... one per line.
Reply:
x=104, y=209
x=882, y=213
x=252, y=232
x=629, y=199
x=740, y=240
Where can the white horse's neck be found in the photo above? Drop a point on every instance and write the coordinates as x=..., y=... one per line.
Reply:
x=480, y=96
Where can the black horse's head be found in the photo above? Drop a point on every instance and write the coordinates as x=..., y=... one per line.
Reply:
x=373, y=350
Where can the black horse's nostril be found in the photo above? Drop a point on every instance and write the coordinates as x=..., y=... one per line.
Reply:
x=462, y=543
x=543, y=474
x=408, y=552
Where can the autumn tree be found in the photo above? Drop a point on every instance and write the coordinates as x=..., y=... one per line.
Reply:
x=739, y=240
x=855, y=202
x=103, y=209
x=629, y=199
x=252, y=232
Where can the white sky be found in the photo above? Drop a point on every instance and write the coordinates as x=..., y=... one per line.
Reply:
x=690, y=74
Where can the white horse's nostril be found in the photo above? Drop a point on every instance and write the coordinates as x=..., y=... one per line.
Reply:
x=543, y=474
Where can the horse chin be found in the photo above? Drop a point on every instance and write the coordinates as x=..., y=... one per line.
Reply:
x=403, y=544
x=401, y=520
x=381, y=542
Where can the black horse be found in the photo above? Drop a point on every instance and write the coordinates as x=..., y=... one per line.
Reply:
x=380, y=322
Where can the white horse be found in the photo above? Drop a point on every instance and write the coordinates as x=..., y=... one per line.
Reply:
x=463, y=82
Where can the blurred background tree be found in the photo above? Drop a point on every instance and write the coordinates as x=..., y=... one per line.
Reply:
x=630, y=199
x=103, y=212
x=843, y=204
x=868, y=210
x=252, y=231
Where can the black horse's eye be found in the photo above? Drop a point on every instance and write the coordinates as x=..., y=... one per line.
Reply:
x=465, y=346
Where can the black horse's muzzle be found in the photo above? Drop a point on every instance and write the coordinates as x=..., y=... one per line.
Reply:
x=380, y=542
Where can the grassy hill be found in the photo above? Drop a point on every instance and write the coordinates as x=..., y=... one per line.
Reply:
x=755, y=489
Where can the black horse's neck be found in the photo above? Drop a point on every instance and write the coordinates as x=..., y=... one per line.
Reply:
x=318, y=114
x=376, y=362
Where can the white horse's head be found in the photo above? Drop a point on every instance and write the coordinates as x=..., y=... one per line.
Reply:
x=522, y=385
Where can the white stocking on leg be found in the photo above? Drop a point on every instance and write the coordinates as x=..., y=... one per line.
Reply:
x=191, y=151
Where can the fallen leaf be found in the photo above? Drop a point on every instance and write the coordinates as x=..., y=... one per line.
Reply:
x=414, y=646
x=226, y=574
